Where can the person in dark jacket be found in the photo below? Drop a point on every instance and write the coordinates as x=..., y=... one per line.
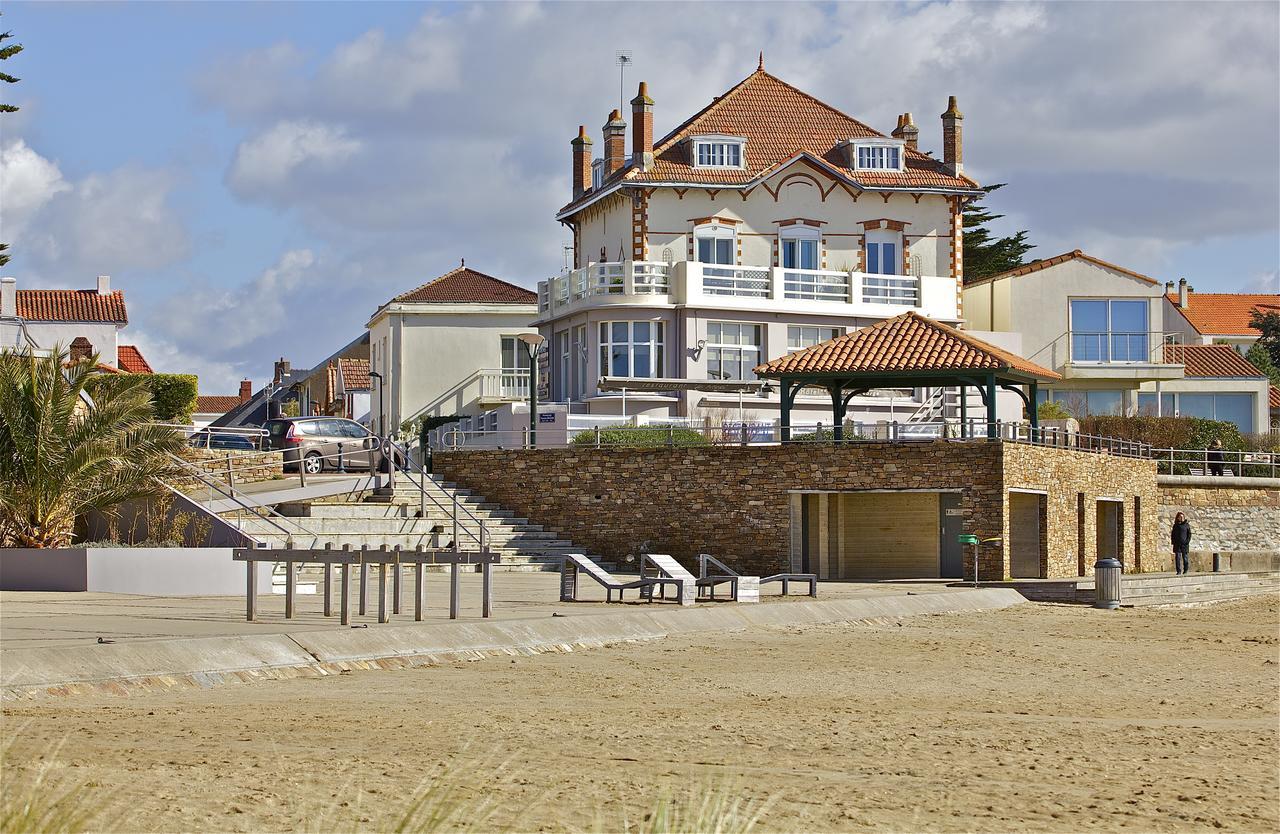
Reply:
x=1215, y=458
x=1181, y=537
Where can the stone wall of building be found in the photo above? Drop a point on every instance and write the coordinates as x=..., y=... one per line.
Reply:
x=1224, y=518
x=735, y=502
x=1073, y=482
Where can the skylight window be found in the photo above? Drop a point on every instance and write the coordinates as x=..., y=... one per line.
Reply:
x=881, y=155
x=718, y=151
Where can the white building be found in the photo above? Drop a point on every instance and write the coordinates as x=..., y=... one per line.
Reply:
x=448, y=348
x=1222, y=318
x=49, y=318
x=1119, y=341
x=765, y=223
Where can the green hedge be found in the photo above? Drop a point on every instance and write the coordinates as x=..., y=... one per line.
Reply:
x=1167, y=432
x=656, y=436
x=173, y=396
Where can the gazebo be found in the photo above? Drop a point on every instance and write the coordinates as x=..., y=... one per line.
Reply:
x=907, y=351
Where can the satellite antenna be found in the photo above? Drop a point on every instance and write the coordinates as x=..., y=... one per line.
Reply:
x=568, y=258
x=624, y=60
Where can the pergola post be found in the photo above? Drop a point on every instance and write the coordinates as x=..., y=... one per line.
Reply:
x=836, y=389
x=1034, y=408
x=964, y=410
x=786, y=409
x=991, y=406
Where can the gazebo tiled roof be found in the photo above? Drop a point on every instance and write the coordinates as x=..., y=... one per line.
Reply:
x=907, y=344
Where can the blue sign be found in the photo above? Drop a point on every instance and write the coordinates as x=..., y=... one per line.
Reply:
x=546, y=418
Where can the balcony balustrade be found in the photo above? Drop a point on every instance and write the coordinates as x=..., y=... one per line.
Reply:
x=716, y=285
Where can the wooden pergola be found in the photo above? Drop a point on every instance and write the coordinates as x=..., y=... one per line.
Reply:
x=908, y=351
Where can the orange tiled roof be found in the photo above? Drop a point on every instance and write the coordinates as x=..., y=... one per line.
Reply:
x=132, y=361
x=71, y=305
x=1274, y=396
x=778, y=121
x=1045, y=263
x=1210, y=361
x=1225, y=313
x=216, y=403
x=463, y=285
x=906, y=343
x=355, y=373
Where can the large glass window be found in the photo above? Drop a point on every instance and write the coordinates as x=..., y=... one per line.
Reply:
x=883, y=254
x=879, y=158
x=715, y=244
x=560, y=390
x=1080, y=403
x=799, y=245
x=800, y=337
x=580, y=361
x=1147, y=405
x=631, y=348
x=1109, y=330
x=733, y=350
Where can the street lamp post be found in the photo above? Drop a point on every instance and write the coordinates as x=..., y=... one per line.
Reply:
x=532, y=342
x=382, y=443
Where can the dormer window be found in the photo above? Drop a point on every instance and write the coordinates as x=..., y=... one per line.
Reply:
x=718, y=151
x=597, y=174
x=877, y=155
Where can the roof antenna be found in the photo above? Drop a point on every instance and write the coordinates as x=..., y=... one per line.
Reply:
x=464, y=263
x=760, y=66
x=624, y=60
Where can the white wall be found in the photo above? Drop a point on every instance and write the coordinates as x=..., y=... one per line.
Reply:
x=103, y=336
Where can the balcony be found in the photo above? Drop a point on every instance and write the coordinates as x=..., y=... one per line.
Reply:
x=647, y=283
x=1128, y=355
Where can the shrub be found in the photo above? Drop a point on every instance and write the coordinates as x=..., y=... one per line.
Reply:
x=1052, y=410
x=173, y=396
x=655, y=436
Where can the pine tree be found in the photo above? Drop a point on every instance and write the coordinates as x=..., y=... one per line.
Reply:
x=1268, y=324
x=1261, y=360
x=984, y=255
x=7, y=52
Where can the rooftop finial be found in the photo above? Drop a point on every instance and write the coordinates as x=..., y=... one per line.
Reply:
x=760, y=66
x=464, y=262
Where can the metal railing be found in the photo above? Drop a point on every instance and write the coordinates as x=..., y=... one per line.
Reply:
x=1217, y=462
x=503, y=383
x=816, y=285
x=289, y=528
x=899, y=290
x=739, y=281
x=407, y=467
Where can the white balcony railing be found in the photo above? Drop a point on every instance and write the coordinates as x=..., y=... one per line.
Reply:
x=739, y=281
x=898, y=290
x=503, y=384
x=816, y=285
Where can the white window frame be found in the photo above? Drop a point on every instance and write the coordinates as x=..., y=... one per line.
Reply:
x=722, y=142
x=563, y=373
x=799, y=333
x=597, y=174
x=656, y=344
x=716, y=231
x=882, y=236
x=798, y=233
x=716, y=342
x=857, y=158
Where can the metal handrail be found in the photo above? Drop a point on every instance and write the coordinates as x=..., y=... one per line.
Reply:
x=210, y=482
x=1238, y=460
x=423, y=495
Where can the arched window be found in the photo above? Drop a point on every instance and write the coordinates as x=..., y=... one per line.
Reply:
x=884, y=252
x=799, y=247
x=715, y=243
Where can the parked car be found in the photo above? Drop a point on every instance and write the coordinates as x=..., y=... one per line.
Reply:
x=313, y=443
x=222, y=440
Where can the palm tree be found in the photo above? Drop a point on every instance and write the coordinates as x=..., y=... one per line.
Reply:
x=63, y=453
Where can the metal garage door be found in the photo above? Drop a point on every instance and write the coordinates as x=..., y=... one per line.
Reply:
x=1024, y=535
x=889, y=535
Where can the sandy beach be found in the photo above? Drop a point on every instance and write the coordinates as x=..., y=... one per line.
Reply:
x=1037, y=717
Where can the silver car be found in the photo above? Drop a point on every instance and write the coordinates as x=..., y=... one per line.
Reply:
x=319, y=444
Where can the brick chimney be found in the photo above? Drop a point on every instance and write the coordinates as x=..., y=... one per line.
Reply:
x=1184, y=292
x=615, y=143
x=953, y=138
x=246, y=390
x=907, y=131
x=104, y=285
x=281, y=370
x=8, y=296
x=581, y=162
x=81, y=348
x=642, y=128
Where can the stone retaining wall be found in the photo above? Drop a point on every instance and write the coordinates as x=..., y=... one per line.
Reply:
x=249, y=467
x=736, y=502
x=1224, y=518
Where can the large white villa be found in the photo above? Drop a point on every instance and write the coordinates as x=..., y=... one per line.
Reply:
x=765, y=223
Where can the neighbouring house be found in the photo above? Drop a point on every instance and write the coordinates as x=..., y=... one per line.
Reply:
x=211, y=407
x=84, y=321
x=338, y=385
x=131, y=361
x=1222, y=318
x=449, y=347
x=764, y=224
x=1118, y=340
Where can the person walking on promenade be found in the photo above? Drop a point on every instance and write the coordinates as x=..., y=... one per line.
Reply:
x=1181, y=538
x=1215, y=458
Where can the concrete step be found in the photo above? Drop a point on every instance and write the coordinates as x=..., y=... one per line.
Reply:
x=398, y=526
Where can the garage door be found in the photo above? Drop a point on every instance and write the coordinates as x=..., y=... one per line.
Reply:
x=889, y=535
x=1024, y=535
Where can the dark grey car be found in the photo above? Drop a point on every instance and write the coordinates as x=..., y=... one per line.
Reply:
x=316, y=442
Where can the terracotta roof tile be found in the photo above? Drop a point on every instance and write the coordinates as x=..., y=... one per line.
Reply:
x=1274, y=396
x=216, y=404
x=1045, y=263
x=71, y=305
x=909, y=342
x=355, y=373
x=1225, y=314
x=1210, y=361
x=464, y=285
x=132, y=361
x=779, y=122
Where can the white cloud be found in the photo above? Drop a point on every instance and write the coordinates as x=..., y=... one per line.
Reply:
x=164, y=356
x=304, y=148
x=1262, y=282
x=28, y=182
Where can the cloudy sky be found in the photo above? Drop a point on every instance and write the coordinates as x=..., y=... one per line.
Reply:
x=259, y=177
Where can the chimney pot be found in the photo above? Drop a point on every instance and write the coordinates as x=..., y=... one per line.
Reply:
x=581, y=162
x=8, y=296
x=104, y=285
x=953, y=138
x=1184, y=291
x=642, y=128
x=615, y=143
x=246, y=390
x=907, y=131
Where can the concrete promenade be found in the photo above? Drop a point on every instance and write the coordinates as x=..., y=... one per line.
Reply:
x=49, y=642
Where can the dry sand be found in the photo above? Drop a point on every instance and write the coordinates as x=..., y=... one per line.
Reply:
x=1038, y=717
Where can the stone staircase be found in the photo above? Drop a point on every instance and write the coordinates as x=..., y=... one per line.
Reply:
x=1140, y=590
x=407, y=521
